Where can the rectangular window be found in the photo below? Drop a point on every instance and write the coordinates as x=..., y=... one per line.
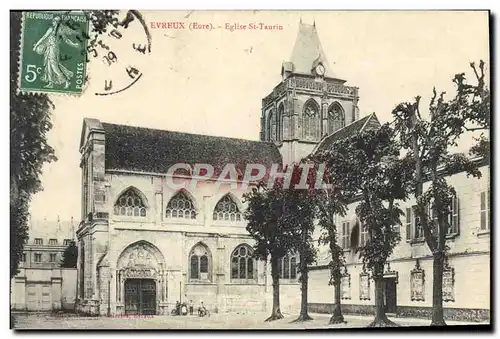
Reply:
x=286, y=268
x=52, y=257
x=453, y=217
x=336, y=220
x=67, y=242
x=364, y=234
x=52, y=241
x=293, y=268
x=23, y=257
x=38, y=257
x=485, y=210
x=408, y=222
x=418, y=229
x=38, y=241
x=346, y=235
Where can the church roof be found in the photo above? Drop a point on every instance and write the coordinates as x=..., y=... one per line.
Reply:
x=155, y=151
x=308, y=52
x=368, y=122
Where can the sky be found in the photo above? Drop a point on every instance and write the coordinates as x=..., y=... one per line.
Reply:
x=212, y=82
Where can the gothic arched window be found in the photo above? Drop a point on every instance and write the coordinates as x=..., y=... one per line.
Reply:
x=311, y=120
x=200, y=263
x=130, y=204
x=336, y=119
x=181, y=206
x=279, y=126
x=287, y=267
x=243, y=264
x=227, y=209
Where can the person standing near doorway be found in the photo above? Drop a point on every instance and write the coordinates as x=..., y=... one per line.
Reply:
x=191, y=308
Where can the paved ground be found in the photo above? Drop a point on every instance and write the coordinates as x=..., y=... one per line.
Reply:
x=215, y=321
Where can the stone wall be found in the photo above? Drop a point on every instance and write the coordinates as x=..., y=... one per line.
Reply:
x=43, y=289
x=455, y=314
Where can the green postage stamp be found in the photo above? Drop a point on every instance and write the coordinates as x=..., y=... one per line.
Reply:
x=53, y=52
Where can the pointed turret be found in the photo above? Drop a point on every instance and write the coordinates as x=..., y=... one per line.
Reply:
x=308, y=53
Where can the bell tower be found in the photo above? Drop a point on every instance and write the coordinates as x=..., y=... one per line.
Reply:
x=309, y=103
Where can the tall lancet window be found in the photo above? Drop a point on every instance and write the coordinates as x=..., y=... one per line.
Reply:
x=279, y=125
x=336, y=118
x=311, y=120
x=271, y=123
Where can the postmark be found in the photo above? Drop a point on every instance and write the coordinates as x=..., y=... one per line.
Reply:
x=51, y=58
x=118, y=50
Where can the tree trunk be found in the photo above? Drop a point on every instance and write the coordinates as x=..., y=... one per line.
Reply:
x=276, y=312
x=437, y=290
x=304, y=277
x=337, y=316
x=381, y=319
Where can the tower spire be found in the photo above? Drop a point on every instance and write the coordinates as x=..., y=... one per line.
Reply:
x=72, y=229
x=308, y=52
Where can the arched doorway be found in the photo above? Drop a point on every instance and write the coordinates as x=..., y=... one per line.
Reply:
x=141, y=279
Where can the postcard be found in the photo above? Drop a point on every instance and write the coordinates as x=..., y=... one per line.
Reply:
x=249, y=169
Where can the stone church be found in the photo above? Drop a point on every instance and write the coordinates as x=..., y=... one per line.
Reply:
x=145, y=244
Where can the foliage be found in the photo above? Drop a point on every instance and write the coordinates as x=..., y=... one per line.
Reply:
x=70, y=256
x=266, y=222
x=331, y=202
x=428, y=144
x=381, y=178
x=302, y=211
x=29, y=150
x=367, y=167
x=281, y=221
x=29, y=124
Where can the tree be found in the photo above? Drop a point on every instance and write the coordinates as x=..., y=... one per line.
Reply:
x=70, y=256
x=29, y=124
x=29, y=150
x=332, y=202
x=273, y=236
x=300, y=217
x=368, y=166
x=428, y=143
x=477, y=115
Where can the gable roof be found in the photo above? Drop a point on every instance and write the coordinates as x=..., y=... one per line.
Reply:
x=308, y=52
x=155, y=151
x=368, y=122
x=51, y=229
